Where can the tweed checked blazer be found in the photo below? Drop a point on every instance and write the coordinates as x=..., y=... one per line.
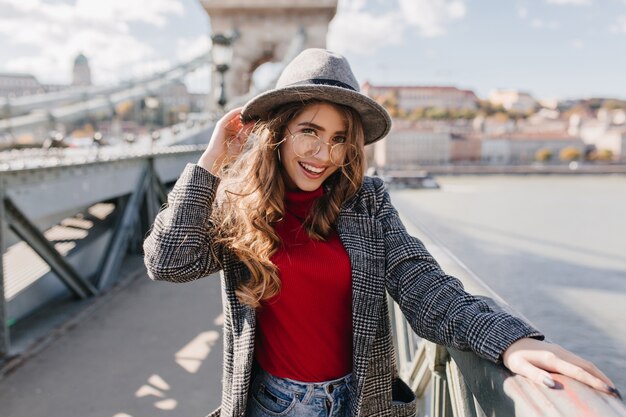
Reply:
x=384, y=258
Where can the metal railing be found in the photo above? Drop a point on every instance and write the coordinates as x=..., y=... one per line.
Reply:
x=76, y=267
x=452, y=383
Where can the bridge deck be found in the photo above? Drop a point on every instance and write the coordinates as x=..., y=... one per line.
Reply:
x=144, y=349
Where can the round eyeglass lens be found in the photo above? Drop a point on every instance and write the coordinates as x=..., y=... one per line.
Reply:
x=306, y=145
x=338, y=154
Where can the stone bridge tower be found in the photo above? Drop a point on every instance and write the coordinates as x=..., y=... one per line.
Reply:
x=266, y=28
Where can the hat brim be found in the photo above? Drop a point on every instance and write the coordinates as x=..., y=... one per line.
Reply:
x=375, y=119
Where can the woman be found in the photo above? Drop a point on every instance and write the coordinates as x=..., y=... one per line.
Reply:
x=308, y=248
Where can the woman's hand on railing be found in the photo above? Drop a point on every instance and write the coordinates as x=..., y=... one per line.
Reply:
x=535, y=360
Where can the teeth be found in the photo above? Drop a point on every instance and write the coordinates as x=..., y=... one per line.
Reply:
x=312, y=168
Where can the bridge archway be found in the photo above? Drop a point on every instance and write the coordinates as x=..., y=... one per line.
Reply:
x=266, y=28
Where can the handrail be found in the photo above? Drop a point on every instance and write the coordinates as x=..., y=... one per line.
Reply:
x=449, y=382
x=133, y=184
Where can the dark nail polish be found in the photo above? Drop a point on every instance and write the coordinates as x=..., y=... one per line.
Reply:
x=549, y=382
x=615, y=392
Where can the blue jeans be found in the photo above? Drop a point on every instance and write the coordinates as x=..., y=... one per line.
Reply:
x=271, y=396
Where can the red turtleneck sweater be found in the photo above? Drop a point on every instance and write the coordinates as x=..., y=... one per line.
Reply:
x=305, y=332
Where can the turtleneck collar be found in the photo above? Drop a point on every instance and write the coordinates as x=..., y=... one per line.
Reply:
x=299, y=203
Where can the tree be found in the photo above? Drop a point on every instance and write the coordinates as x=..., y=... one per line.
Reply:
x=466, y=114
x=595, y=103
x=613, y=104
x=579, y=109
x=125, y=110
x=601, y=155
x=543, y=155
x=487, y=108
x=390, y=102
x=501, y=116
x=437, y=113
x=570, y=153
x=418, y=113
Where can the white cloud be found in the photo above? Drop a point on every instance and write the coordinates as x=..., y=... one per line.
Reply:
x=199, y=81
x=570, y=2
x=522, y=12
x=26, y=64
x=265, y=74
x=22, y=5
x=577, y=44
x=619, y=26
x=364, y=32
x=55, y=33
x=543, y=24
x=352, y=6
x=432, y=16
x=154, y=12
x=143, y=68
x=189, y=48
x=354, y=29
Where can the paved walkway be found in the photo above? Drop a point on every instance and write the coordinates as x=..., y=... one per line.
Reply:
x=149, y=349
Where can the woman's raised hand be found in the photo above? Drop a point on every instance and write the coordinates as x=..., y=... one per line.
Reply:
x=536, y=359
x=227, y=141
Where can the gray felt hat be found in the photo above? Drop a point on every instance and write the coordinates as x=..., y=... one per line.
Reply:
x=318, y=74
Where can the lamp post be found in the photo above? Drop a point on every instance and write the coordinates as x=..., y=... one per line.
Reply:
x=222, y=54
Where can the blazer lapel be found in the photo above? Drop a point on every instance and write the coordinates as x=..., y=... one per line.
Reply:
x=362, y=237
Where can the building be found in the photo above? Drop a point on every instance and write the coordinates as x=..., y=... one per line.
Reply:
x=199, y=102
x=603, y=135
x=522, y=147
x=513, y=100
x=55, y=88
x=81, y=74
x=614, y=140
x=465, y=148
x=409, y=145
x=175, y=97
x=494, y=125
x=408, y=98
x=18, y=85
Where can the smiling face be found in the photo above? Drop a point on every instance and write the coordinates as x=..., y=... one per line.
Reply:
x=308, y=173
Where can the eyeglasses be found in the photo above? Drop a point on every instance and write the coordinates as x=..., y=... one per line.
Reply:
x=306, y=145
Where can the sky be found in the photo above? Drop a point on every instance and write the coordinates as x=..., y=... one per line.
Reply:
x=549, y=48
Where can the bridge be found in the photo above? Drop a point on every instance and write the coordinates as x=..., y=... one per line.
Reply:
x=83, y=332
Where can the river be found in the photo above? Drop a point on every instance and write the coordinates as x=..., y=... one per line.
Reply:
x=554, y=247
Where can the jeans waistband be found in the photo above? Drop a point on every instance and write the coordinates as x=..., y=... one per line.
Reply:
x=321, y=388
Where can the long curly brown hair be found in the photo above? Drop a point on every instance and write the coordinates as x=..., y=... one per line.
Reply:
x=251, y=198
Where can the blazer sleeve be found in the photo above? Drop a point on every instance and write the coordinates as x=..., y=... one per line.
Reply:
x=435, y=304
x=180, y=245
